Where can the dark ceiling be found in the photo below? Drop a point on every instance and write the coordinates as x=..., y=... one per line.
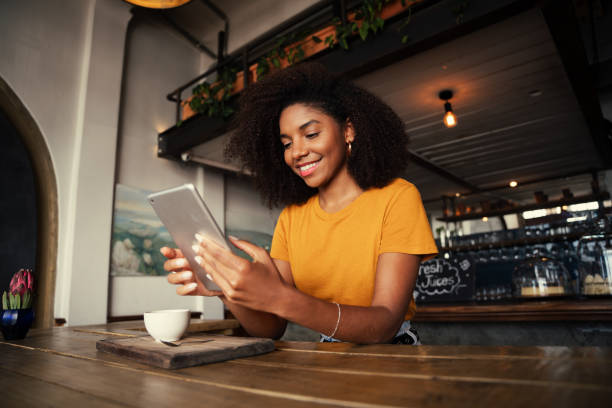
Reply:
x=518, y=117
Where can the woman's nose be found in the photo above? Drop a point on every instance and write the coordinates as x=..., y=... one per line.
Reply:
x=299, y=149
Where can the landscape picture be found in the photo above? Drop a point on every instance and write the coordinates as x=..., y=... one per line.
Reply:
x=137, y=236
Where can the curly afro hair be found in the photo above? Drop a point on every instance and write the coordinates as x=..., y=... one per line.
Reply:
x=379, y=152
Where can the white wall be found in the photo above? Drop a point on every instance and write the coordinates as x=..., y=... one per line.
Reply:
x=249, y=19
x=157, y=61
x=87, y=243
x=64, y=64
x=244, y=209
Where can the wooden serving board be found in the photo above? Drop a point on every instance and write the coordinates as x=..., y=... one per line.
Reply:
x=192, y=351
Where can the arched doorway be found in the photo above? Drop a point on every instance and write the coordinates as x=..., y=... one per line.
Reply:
x=46, y=201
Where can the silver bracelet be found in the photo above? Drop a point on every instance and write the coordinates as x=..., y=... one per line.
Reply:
x=337, y=322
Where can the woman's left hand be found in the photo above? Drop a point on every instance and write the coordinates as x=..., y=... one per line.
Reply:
x=253, y=284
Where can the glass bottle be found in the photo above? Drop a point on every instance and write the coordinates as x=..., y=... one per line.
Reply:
x=539, y=275
x=595, y=264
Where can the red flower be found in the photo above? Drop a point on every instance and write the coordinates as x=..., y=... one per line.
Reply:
x=21, y=282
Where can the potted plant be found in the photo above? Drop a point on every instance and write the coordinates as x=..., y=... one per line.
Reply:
x=17, y=314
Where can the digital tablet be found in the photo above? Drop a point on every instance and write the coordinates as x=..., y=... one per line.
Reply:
x=184, y=213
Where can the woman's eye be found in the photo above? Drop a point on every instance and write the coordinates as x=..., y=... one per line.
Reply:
x=286, y=145
x=311, y=135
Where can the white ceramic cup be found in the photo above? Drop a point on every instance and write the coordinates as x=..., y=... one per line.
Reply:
x=167, y=325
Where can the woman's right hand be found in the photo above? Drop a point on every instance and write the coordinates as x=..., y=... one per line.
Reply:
x=182, y=274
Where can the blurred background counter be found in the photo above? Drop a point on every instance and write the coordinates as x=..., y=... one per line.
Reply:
x=546, y=282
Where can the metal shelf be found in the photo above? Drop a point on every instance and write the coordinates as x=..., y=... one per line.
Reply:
x=515, y=242
x=536, y=206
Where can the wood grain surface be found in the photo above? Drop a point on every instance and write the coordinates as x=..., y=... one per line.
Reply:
x=191, y=351
x=63, y=364
x=530, y=310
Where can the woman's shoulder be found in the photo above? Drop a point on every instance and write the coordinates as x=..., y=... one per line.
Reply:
x=398, y=192
x=298, y=209
x=398, y=186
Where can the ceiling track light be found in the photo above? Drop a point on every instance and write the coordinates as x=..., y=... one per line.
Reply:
x=450, y=120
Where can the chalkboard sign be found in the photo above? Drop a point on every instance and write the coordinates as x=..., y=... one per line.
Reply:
x=445, y=280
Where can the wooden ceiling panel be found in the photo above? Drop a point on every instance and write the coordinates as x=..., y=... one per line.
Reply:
x=517, y=114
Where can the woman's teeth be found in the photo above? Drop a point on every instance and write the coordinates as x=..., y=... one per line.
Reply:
x=308, y=169
x=308, y=166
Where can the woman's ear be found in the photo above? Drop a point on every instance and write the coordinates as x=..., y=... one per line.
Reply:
x=349, y=132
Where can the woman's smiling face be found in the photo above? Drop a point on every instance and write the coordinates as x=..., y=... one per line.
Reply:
x=314, y=143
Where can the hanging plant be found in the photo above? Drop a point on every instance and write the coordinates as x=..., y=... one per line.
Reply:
x=459, y=11
x=405, y=22
x=286, y=52
x=214, y=99
x=367, y=20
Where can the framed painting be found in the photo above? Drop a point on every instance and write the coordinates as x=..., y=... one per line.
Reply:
x=137, y=235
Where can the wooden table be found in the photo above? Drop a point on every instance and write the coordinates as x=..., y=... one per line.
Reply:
x=563, y=309
x=61, y=367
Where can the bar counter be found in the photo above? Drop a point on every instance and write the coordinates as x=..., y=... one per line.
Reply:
x=563, y=309
x=61, y=366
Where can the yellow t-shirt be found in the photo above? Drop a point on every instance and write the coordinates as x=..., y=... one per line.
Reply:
x=333, y=256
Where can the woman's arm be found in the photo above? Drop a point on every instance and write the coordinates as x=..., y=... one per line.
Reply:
x=395, y=279
x=258, y=285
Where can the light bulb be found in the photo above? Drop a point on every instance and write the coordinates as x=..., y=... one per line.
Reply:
x=513, y=183
x=450, y=120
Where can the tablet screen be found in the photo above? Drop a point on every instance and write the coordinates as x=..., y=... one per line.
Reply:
x=184, y=213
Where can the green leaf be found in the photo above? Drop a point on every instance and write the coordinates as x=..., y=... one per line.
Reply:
x=196, y=104
x=27, y=298
x=276, y=62
x=228, y=111
x=12, y=301
x=343, y=43
x=18, y=301
x=404, y=39
x=204, y=89
x=215, y=89
x=262, y=67
x=4, y=301
x=300, y=53
x=316, y=39
x=363, y=30
x=405, y=21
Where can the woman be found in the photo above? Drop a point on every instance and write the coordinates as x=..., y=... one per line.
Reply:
x=347, y=247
